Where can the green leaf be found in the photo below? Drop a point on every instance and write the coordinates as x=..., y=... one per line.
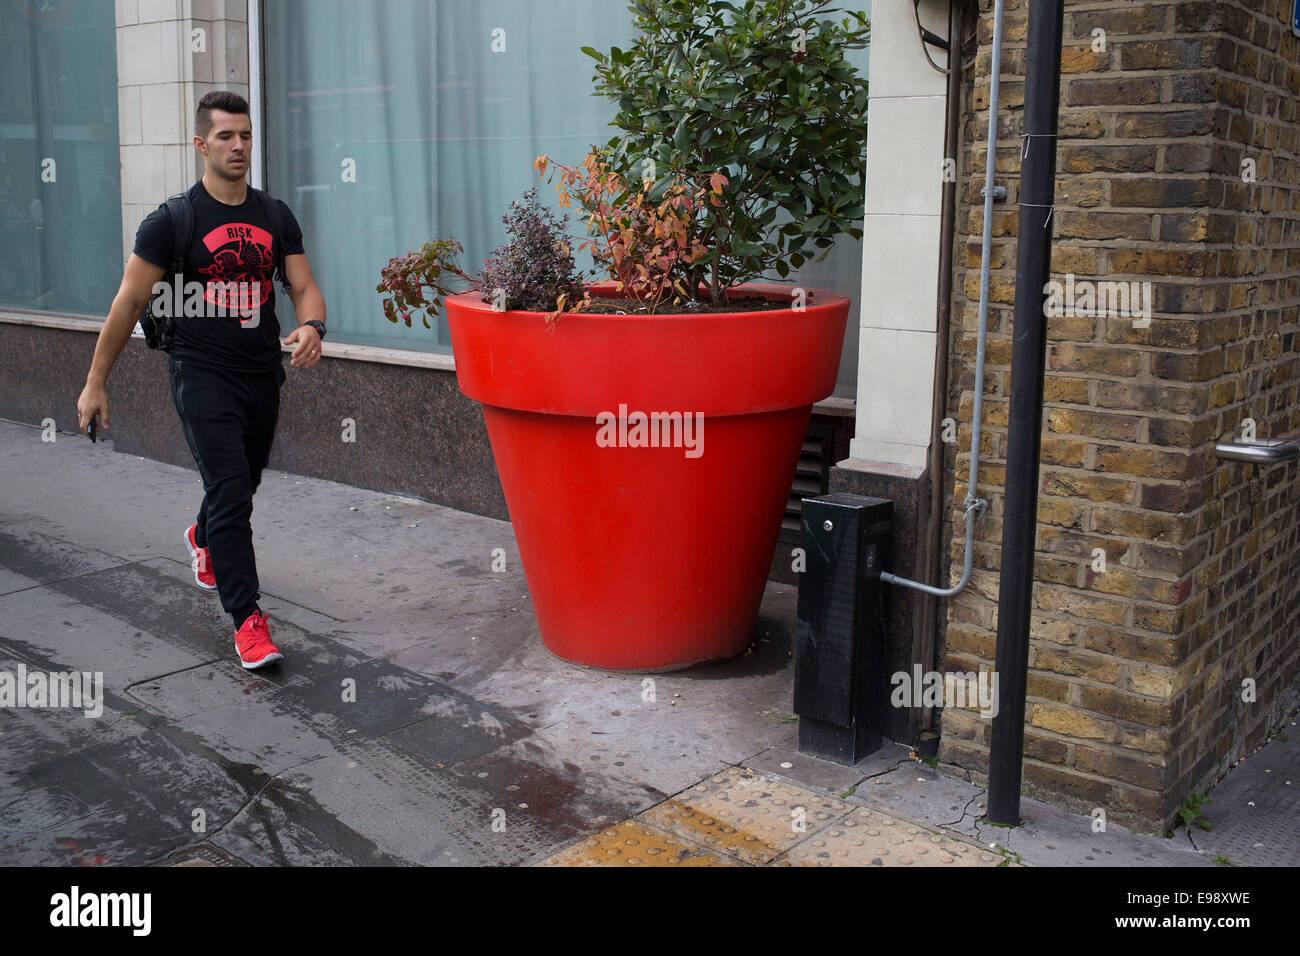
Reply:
x=680, y=134
x=660, y=187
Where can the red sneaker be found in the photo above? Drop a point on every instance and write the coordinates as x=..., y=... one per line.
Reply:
x=253, y=642
x=202, y=564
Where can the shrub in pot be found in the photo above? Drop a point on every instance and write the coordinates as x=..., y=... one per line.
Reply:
x=647, y=427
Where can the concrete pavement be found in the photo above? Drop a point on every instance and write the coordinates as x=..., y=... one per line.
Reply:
x=416, y=719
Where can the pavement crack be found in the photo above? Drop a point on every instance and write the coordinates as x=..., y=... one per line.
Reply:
x=873, y=776
x=271, y=778
x=299, y=604
x=964, y=810
x=71, y=577
x=180, y=670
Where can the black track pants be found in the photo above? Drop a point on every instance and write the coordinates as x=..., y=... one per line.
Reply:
x=229, y=420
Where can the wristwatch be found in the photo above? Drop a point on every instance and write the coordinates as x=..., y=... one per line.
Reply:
x=318, y=325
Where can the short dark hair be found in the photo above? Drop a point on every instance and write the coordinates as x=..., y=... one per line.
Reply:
x=223, y=100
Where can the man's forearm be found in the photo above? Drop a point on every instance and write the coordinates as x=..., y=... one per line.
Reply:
x=122, y=316
x=310, y=305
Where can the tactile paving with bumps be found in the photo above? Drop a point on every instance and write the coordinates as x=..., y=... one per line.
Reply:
x=739, y=818
x=747, y=816
x=868, y=838
x=634, y=844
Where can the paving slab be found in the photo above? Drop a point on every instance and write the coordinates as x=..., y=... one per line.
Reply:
x=36, y=556
x=916, y=792
x=670, y=762
x=631, y=843
x=1254, y=812
x=910, y=791
x=1050, y=836
x=817, y=774
x=745, y=818
x=750, y=816
x=59, y=624
x=867, y=837
x=123, y=795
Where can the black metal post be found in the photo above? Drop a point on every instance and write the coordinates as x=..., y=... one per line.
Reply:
x=840, y=687
x=1024, y=428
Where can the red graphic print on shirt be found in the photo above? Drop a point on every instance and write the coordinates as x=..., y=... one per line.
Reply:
x=239, y=277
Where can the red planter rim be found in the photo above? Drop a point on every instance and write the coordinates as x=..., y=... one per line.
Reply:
x=582, y=362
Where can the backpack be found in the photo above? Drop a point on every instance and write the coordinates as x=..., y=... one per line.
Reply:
x=158, y=329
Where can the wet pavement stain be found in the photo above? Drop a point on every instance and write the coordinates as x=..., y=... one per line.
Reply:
x=409, y=731
x=40, y=809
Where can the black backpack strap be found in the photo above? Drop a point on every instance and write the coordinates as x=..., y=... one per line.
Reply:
x=159, y=331
x=182, y=216
x=271, y=207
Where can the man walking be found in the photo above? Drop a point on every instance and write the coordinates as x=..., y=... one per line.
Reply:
x=225, y=363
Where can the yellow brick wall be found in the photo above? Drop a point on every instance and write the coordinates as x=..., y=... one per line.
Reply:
x=1135, y=673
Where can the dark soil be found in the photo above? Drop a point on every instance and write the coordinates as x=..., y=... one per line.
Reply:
x=666, y=307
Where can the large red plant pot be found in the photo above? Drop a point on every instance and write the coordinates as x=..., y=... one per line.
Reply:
x=647, y=558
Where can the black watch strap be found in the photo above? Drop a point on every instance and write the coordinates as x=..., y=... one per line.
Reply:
x=318, y=325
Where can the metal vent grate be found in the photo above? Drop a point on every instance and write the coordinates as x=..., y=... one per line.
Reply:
x=811, y=479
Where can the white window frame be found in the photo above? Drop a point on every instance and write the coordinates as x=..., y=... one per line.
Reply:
x=255, y=104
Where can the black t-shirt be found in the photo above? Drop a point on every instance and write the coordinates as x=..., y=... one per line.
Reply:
x=233, y=255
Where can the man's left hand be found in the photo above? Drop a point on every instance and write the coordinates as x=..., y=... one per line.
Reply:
x=307, y=353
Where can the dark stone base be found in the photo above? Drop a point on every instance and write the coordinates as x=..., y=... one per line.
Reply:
x=415, y=433
x=906, y=491
x=842, y=745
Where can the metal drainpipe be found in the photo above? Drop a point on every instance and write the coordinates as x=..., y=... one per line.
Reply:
x=974, y=506
x=927, y=617
x=1039, y=127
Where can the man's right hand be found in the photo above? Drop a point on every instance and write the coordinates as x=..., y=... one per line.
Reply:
x=138, y=280
x=93, y=400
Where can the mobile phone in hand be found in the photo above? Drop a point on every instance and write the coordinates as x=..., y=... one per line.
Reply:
x=93, y=427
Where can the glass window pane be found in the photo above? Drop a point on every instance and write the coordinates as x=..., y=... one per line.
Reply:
x=60, y=177
x=441, y=108
x=438, y=110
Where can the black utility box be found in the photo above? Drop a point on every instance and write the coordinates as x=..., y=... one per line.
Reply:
x=840, y=686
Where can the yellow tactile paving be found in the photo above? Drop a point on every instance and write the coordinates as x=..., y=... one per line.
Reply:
x=740, y=818
x=690, y=823
x=869, y=838
x=744, y=815
x=634, y=844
